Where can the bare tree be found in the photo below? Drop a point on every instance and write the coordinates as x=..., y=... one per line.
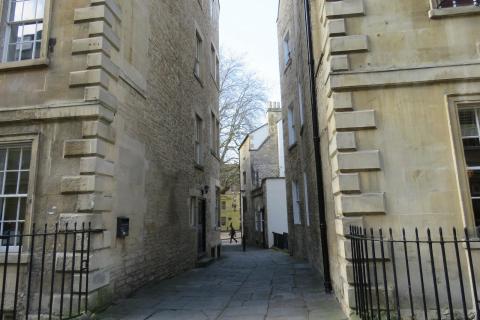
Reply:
x=243, y=96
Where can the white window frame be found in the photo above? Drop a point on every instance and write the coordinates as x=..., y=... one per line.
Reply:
x=198, y=140
x=42, y=60
x=32, y=141
x=287, y=53
x=305, y=198
x=292, y=134
x=197, y=69
x=301, y=102
x=296, y=203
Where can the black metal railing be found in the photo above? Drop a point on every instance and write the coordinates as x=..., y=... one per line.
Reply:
x=457, y=3
x=280, y=241
x=406, y=276
x=45, y=274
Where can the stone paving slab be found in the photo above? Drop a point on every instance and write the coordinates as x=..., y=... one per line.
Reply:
x=252, y=285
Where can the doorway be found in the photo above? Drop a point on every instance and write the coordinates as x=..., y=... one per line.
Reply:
x=201, y=227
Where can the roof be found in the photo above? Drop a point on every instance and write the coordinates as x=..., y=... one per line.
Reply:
x=246, y=137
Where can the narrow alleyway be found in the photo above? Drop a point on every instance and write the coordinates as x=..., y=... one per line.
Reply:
x=258, y=284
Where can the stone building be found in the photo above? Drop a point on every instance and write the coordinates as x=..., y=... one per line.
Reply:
x=230, y=210
x=395, y=85
x=262, y=181
x=113, y=106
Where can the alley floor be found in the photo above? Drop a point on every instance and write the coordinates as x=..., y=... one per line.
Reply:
x=257, y=284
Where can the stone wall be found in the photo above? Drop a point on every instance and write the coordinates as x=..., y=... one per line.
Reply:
x=113, y=114
x=388, y=88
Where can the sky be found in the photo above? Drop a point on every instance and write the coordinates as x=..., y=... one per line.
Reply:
x=248, y=28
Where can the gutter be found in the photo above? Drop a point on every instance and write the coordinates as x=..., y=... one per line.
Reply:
x=318, y=157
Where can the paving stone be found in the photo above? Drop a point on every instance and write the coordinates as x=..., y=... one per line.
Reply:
x=258, y=284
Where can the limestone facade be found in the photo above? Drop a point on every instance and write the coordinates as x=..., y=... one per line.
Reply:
x=121, y=106
x=391, y=78
x=259, y=160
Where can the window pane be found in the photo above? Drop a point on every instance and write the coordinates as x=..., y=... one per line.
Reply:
x=23, y=188
x=11, y=183
x=3, y=154
x=40, y=9
x=27, y=51
x=29, y=32
x=8, y=229
x=13, y=53
x=11, y=206
x=16, y=9
x=476, y=210
x=23, y=209
x=27, y=154
x=29, y=10
x=39, y=31
x=467, y=122
x=472, y=156
x=16, y=33
x=13, y=159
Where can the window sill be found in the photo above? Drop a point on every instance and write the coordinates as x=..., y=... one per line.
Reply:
x=456, y=11
x=37, y=63
x=199, y=167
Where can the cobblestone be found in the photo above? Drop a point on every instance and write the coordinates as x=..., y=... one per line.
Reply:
x=257, y=284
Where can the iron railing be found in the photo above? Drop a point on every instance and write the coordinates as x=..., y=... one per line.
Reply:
x=280, y=241
x=457, y=3
x=410, y=277
x=45, y=274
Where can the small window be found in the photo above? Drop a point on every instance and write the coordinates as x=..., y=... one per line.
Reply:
x=224, y=205
x=217, y=68
x=301, y=103
x=223, y=221
x=193, y=211
x=286, y=49
x=456, y=3
x=244, y=174
x=213, y=57
x=217, y=206
x=292, y=135
x=198, y=140
x=259, y=220
x=214, y=134
x=198, y=55
x=305, y=198
x=22, y=29
x=14, y=178
x=295, y=203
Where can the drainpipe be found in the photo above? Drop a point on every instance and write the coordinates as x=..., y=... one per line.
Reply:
x=318, y=156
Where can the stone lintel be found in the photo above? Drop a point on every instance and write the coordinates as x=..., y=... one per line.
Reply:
x=84, y=148
x=361, y=204
x=344, y=8
x=346, y=183
x=90, y=45
x=89, y=78
x=101, y=28
x=97, y=166
x=355, y=120
x=98, y=129
x=348, y=44
x=359, y=161
x=94, y=13
x=102, y=96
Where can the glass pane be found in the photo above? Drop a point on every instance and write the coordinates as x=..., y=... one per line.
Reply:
x=26, y=156
x=467, y=122
x=476, y=210
x=38, y=34
x=472, y=156
x=29, y=10
x=13, y=159
x=27, y=51
x=11, y=183
x=29, y=32
x=40, y=9
x=8, y=229
x=38, y=45
x=16, y=32
x=23, y=209
x=16, y=9
x=11, y=206
x=3, y=154
x=13, y=52
x=23, y=188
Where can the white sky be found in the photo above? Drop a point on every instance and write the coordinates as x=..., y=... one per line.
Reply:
x=248, y=28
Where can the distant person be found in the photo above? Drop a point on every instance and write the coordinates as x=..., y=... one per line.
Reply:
x=233, y=233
